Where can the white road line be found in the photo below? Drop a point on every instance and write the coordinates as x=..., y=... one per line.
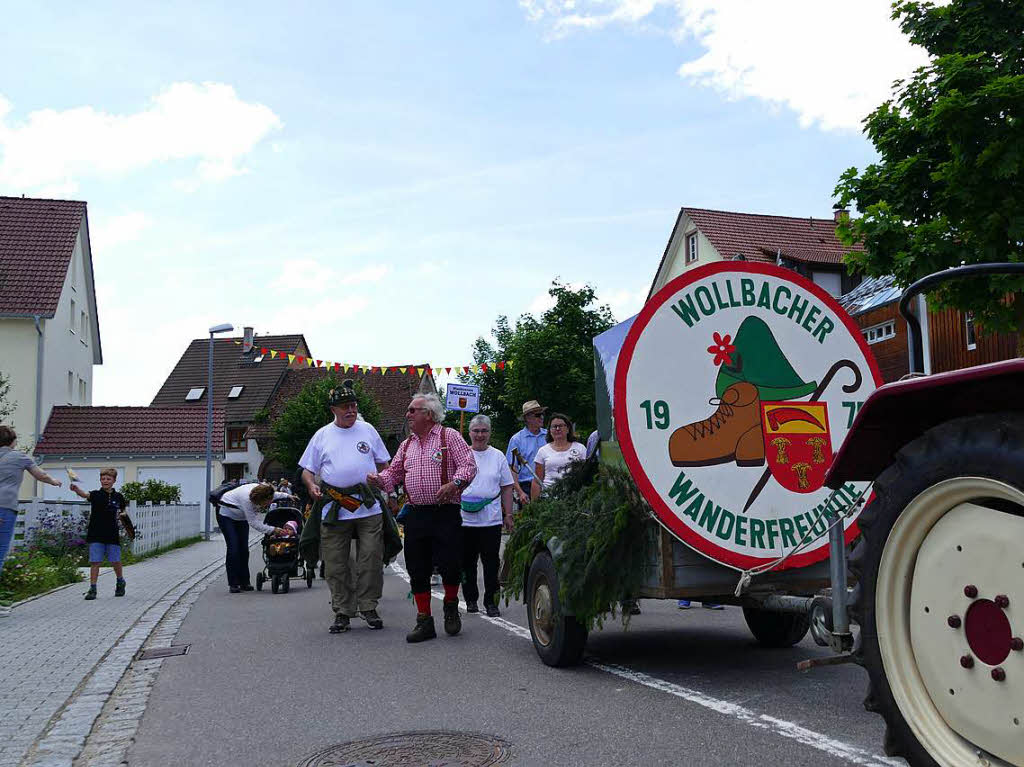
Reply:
x=852, y=754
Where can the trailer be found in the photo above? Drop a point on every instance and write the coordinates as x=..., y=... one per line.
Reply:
x=759, y=492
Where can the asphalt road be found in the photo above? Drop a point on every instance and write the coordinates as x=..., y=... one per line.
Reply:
x=265, y=684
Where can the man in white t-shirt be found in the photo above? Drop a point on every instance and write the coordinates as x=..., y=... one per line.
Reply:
x=341, y=454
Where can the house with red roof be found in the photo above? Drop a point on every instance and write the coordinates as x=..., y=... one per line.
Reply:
x=49, y=327
x=809, y=245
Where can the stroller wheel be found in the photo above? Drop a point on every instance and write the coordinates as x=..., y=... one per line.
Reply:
x=259, y=581
x=275, y=583
x=285, y=584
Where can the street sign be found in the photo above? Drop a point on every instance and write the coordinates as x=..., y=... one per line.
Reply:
x=464, y=397
x=732, y=388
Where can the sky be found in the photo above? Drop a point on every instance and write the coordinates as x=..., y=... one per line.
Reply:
x=387, y=177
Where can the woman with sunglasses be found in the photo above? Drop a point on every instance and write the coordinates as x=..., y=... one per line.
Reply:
x=554, y=458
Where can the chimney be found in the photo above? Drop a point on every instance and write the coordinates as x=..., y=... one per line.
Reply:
x=247, y=341
x=838, y=211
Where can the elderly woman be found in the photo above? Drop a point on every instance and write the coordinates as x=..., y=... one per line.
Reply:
x=12, y=464
x=486, y=504
x=239, y=510
x=554, y=458
x=435, y=465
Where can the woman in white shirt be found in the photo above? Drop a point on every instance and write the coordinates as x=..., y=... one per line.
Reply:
x=486, y=505
x=554, y=458
x=239, y=510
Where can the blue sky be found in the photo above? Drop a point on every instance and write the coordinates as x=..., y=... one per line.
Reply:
x=388, y=177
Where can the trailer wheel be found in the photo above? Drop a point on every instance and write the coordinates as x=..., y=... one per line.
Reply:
x=940, y=592
x=776, y=629
x=559, y=639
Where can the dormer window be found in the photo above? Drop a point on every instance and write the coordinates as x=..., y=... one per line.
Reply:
x=236, y=392
x=195, y=394
x=691, y=247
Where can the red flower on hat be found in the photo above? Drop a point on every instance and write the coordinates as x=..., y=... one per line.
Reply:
x=722, y=349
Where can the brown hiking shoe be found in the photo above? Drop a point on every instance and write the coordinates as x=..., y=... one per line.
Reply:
x=424, y=629
x=733, y=432
x=452, y=619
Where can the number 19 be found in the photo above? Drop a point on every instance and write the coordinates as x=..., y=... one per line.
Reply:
x=660, y=411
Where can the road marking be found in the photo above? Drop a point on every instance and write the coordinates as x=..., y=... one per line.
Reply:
x=852, y=754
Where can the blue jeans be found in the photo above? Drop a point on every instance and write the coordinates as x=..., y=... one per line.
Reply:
x=7, y=519
x=100, y=551
x=236, y=538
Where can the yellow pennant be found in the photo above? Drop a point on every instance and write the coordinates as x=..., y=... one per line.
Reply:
x=402, y=370
x=419, y=371
x=273, y=354
x=383, y=370
x=508, y=363
x=291, y=358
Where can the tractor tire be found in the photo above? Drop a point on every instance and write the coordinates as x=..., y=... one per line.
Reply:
x=939, y=573
x=775, y=629
x=558, y=639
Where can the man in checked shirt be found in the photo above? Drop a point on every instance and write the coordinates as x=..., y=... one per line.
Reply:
x=435, y=464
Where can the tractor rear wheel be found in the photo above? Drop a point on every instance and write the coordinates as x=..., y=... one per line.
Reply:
x=941, y=587
x=775, y=629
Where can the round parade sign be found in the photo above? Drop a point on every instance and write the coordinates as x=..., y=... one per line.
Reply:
x=734, y=387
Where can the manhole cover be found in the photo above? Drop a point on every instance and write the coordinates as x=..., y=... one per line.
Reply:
x=414, y=749
x=163, y=652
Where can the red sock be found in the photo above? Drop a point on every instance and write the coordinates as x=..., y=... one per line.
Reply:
x=422, y=602
x=451, y=593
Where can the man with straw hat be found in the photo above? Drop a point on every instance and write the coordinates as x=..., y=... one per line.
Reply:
x=523, y=447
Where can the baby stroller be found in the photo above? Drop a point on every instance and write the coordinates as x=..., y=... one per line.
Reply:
x=281, y=554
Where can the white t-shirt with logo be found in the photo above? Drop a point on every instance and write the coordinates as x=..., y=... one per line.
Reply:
x=343, y=457
x=555, y=463
x=492, y=474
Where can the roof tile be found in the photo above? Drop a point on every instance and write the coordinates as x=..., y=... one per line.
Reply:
x=94, y=431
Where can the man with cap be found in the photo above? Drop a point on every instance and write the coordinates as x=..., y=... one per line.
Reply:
x=753, y=370
x=523, y=447
x=342, y=453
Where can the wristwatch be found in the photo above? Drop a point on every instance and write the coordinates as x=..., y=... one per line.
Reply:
x=459, y=483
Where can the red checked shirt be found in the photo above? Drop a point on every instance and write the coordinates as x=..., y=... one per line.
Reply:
x=417, y=464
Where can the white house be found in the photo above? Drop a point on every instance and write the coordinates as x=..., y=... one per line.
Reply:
x=49, y=330
x=806, y=245
x=165, y=443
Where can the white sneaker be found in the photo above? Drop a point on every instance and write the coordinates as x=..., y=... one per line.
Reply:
x=435, y=579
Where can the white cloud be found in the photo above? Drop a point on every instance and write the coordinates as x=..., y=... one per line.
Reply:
x=107, y=233
x=203, y=123
x=830, y=61
x=311, y=276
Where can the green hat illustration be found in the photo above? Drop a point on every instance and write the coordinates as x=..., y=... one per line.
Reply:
x=759, y=360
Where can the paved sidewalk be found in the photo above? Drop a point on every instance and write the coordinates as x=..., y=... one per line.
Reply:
x=53, y=647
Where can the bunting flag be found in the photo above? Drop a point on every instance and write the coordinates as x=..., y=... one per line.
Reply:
x=345, y=367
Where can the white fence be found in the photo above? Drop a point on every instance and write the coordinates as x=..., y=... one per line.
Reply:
x=156, y=525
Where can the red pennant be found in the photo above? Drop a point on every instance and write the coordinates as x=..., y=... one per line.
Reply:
x=483, y=366
x=501, y=365
x=447, y=370
x=337, y=366
x=319, y=363
x=299, y=358
x=355, y=368
x=263, y=350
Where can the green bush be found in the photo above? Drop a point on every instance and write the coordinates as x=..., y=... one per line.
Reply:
x=28, y=572
x=605, y=532
x=151, y=491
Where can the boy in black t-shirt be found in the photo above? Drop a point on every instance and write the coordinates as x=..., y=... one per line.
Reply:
x=102, y=536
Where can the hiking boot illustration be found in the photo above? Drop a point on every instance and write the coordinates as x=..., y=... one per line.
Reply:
x=731, y=433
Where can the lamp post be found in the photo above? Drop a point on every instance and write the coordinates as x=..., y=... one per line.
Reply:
x=225, y=328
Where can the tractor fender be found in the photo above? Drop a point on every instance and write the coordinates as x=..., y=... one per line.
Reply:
x=897, y=413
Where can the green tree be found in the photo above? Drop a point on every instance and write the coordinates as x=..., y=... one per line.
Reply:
x=552, y=361
x=7, y=407
x=151, y=491
x=949, y=185
x=306, y=412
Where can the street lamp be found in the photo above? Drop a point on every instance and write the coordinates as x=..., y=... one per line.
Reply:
x=224, y=328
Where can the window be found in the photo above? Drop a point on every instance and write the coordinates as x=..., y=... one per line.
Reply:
x=71, y=386
x=832, y=282
x=194, y=394
x=74, y=316
x=972, y=338
x=236, y=438
x=235, y=392
x=691, y=247
x=84, y=327
x=82, y=399
x=878, y=333
x=74, y=272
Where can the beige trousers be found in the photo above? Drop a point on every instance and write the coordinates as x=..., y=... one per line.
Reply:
x=362, y=592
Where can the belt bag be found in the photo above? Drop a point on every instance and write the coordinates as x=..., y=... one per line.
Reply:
x=471, y=507
x=347, y=502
